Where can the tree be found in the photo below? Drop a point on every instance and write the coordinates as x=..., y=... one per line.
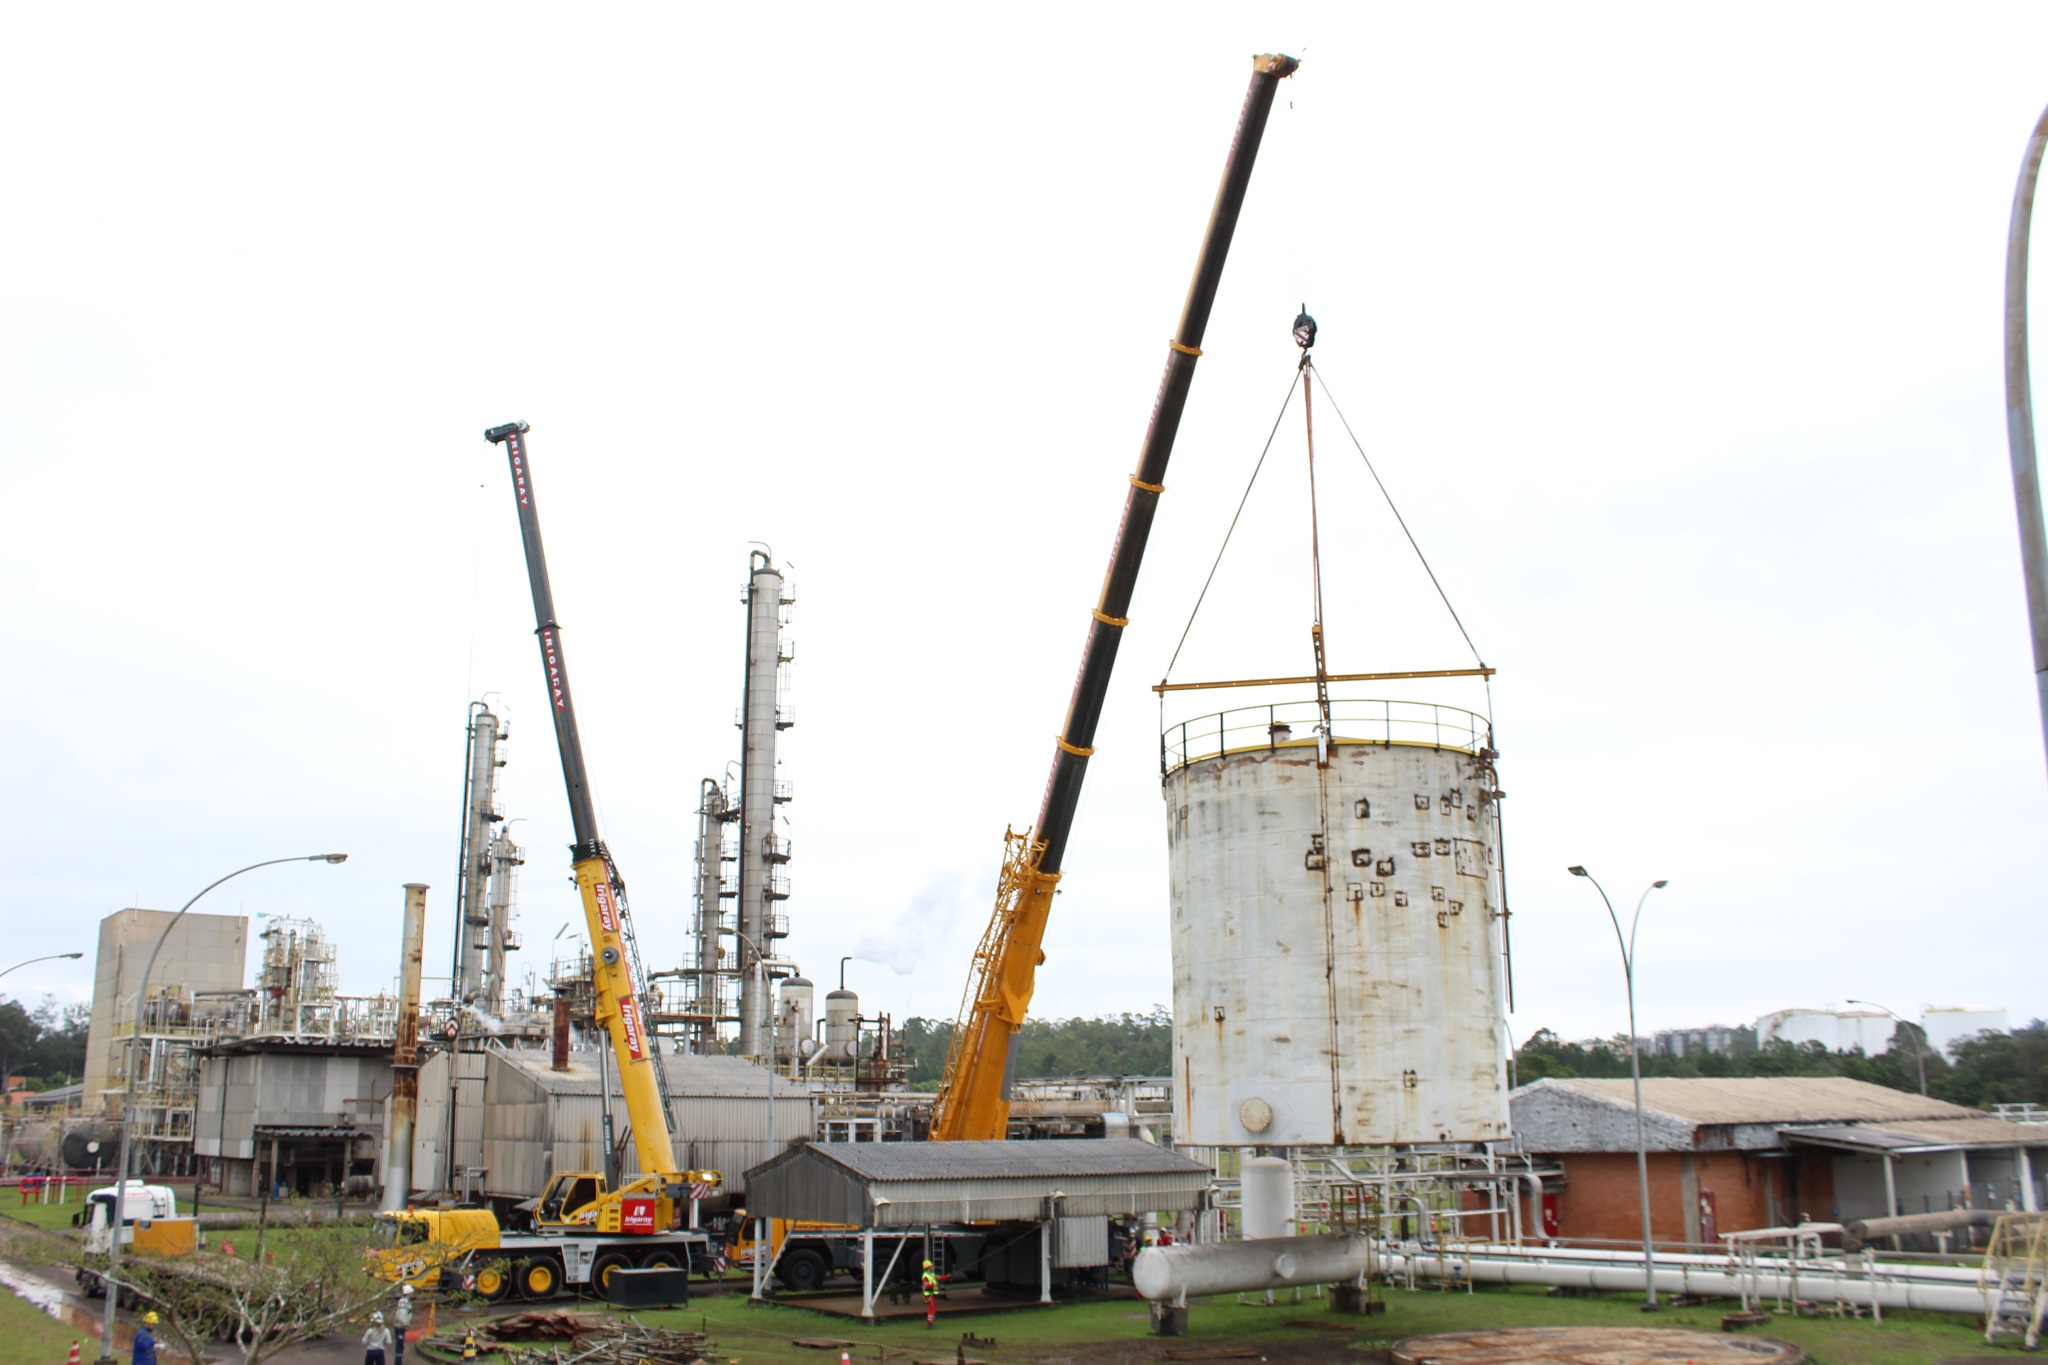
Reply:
x=316, y=1285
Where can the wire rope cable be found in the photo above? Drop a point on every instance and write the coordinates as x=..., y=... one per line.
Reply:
x=1399, y=519
x=1202, y=596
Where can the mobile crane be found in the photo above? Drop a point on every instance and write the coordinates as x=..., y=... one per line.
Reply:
x=974, y=1096
x=581, y=1228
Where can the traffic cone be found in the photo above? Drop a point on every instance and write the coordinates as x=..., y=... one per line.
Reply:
x=469, y=1343
x=845, y=1357
x=72, y=1359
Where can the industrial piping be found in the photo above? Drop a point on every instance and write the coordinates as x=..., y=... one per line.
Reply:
x=405, y=1055
x=1882, y=1286
x=1172, y=1274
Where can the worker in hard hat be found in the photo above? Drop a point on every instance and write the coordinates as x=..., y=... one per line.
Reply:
x=145, y=1340
x=401, y=1319
x=376, y=1341
x=929, y=1282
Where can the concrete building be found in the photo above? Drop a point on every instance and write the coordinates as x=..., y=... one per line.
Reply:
x=1727, y=1155
x=1694, y=1042
x=204, y=953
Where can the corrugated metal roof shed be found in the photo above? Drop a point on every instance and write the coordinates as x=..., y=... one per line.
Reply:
x=1931, y=1133
x=875, y=1184
x=1765, y=1099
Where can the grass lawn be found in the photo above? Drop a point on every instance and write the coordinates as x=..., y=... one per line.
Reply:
x=29, y=1336
x=52, y=1215
x=1118, y=1332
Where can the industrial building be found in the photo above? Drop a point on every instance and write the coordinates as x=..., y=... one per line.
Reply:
x=1730, y=1155
x=203, y=954
x=529, y=1113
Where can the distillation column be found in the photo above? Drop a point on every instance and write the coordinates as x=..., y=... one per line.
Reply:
x=503, y=857
x=762, y=718
x=705, y=998
x=472, y=883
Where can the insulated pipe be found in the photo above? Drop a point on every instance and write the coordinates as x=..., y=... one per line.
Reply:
x=1717, y=1262
x=405, y=1055
x=1724, y=1282
x=1176, y=1273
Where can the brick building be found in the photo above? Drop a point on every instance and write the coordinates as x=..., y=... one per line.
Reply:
x=1726, y=1155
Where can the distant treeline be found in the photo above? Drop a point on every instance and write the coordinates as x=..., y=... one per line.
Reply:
x=1985, y=1069
x=1108, y=1045
x=1980, y=1071
x=45, y=1044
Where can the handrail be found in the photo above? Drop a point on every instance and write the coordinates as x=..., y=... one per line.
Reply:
x=1285, y=724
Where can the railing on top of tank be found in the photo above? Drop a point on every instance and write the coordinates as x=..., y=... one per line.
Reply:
x=1353, y=721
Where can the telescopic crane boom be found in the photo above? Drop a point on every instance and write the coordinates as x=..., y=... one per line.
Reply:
x=974, y=1096
x=615, y=959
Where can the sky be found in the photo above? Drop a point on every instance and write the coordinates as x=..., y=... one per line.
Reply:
x=1674, y=332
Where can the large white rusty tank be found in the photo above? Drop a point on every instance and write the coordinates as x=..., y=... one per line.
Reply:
x=1337, y=947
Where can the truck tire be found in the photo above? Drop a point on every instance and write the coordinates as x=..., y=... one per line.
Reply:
x=494, y=1281
x=539, y=1277
x=661, y=1260
x=601, y=1271
x=801, y=1270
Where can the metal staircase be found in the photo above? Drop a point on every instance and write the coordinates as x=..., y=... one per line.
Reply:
x=2015, y=1278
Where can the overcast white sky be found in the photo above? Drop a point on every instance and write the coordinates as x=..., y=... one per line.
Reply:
x=1674, y=330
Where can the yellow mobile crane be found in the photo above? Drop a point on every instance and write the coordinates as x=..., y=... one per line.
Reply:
x=581, y=1229
x=974, y=1097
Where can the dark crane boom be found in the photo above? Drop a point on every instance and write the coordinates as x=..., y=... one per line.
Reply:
x=974, y=1096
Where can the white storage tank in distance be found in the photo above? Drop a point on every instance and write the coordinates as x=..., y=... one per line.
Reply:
x=1336, y=922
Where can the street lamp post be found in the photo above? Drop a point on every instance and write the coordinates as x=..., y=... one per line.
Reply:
x=47, y=957
x=120, y=1206
x=1919, y=1040
x=1635, y=1068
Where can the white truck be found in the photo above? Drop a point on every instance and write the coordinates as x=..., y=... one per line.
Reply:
x=148, y=1222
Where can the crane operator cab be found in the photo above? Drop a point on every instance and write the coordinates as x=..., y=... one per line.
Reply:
x=570, y=1199
x=644, y=1204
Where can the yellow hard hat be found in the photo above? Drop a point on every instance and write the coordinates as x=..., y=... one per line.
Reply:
x=927, y=1265
x=149, y=1318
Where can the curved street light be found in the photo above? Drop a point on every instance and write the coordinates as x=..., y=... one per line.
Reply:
x=120, y=1206
x=1919, y=1040
x=1635, y=1067
x=2019, y=410
x=47, y=957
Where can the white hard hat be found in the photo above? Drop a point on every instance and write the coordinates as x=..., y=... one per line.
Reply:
x=377, y=1317
x=407, y=1291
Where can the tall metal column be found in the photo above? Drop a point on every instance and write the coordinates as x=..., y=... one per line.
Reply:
x=761, y=721
x=709, y=926
x=503, y=856
x=405, y=1055
x=479, y=814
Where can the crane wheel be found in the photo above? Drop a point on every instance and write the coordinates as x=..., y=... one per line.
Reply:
x=493, y=1281
x=539, y=1278
x=801, y=1271
x=601, y=1271
x=660, y=1260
